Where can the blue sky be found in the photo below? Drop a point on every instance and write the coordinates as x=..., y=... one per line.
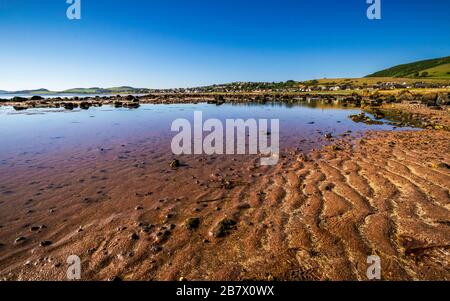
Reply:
x=162, y=44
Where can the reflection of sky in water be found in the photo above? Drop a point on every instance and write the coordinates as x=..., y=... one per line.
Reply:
x=47, y=130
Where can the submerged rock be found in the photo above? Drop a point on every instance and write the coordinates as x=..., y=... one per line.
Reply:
x=363, y=118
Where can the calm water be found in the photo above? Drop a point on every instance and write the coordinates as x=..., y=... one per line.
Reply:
x=45, y=131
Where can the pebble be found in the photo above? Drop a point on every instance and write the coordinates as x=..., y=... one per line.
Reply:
x=20, y=239
x=34, y=228
x=46, y=243
x=156, y=249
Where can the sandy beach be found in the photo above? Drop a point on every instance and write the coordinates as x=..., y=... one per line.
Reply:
x=315, y=216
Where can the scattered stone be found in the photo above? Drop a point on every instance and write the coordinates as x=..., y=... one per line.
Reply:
x=192, y=223
x=115, y=279
x=134, y=236
x=328, y=136
x=139, y=208
x=35, y=228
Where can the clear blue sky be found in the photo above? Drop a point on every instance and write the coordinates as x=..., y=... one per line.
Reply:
x=161, y=44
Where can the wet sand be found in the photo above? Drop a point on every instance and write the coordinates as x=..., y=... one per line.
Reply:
x=314, y=216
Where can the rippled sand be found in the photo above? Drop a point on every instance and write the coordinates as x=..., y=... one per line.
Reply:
x=311, y=217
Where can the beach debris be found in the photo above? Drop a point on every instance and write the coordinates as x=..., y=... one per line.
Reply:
x=175, y=163
x=223, y=228
x=192, y=223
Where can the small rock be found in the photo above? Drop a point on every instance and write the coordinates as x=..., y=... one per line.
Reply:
x=442, y=165
x=134, y=236
x=34, y=228
x=20, y=239
x=175, y=164
x=46, y=243
x=115, y=279
x=139, y=208
x=223, y=228
x=156, y=249
x=244, y=206
x=192, y=223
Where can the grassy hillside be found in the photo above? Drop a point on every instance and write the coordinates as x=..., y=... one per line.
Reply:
x=417, y=69
x=442, y=71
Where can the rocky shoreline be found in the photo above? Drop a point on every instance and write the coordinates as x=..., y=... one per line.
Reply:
x=375, y=99
x=403, y=109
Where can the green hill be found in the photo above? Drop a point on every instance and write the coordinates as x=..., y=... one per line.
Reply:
x=435, y=68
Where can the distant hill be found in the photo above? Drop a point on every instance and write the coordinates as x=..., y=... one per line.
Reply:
x=435, y=68
x=94, y=90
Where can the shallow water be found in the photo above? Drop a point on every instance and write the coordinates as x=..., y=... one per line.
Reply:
x=44, y=131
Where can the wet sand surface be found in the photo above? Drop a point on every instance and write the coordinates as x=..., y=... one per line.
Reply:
x=316, y=215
